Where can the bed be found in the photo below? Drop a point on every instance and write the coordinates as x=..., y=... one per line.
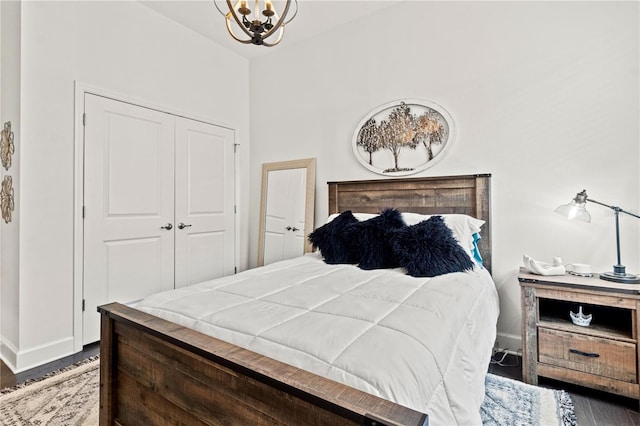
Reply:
x=160, y=365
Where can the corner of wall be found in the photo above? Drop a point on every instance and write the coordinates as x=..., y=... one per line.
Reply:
x=8, y=353
x=10, y=60
x=511, y=343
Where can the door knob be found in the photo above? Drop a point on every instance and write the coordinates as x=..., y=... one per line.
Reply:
x=168, y=226
x=288, y=228
x=182, y=225
x=294, y=229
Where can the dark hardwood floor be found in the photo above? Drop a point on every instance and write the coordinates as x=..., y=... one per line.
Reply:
x=593, y=408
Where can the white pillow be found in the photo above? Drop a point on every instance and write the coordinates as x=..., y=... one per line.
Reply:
x=360, y=216
x=462, y=226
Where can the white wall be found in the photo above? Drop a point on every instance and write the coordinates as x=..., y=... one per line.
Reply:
x=126, y=48
x=10, y=232
x=545, y=97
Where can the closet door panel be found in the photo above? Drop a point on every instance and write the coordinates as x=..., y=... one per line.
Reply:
x=129, y=190
x=205, y=199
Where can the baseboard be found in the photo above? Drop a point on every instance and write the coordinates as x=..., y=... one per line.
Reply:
x=511, y=343
x=19, y=361
x=8, y=354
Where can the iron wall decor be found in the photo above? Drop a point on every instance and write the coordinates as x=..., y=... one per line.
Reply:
x=6, y=199
x=403, y=137
x=7, y=148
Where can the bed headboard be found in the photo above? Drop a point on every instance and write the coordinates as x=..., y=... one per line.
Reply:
x=468, y=195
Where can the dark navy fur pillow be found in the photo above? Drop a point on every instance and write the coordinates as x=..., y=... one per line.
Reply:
x=429, y=249
x=329, y=238
x=368, y=240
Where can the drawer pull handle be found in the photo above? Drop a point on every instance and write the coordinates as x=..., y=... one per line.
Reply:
x=589, y=354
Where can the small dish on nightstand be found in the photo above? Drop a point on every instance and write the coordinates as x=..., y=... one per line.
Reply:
x=580, y=269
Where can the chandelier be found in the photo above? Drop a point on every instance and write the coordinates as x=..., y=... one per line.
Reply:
x=258, y=24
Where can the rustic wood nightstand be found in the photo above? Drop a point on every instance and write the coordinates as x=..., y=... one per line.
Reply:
x=603, y=355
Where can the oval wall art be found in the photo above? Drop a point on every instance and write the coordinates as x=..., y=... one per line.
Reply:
x=403, y=137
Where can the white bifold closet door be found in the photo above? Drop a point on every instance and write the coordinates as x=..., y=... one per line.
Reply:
x=204, y=202
x=158, y=204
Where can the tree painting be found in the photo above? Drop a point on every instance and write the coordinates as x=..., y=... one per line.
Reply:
x=398, y=132
x=368, y=138
x=396, y=129
x=429, y=130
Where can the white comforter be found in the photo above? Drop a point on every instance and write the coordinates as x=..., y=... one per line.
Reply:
x=421, y=342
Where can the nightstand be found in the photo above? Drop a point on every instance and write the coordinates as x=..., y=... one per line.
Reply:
x=602, y=356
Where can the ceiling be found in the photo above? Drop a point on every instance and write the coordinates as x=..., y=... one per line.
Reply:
x=314, y=17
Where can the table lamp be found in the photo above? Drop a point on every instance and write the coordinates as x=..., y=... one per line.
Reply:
x=577, y=210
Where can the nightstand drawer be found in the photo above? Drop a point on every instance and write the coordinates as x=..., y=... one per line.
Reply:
x=589, y=354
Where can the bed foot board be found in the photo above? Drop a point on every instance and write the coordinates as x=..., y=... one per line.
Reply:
x=155, y=372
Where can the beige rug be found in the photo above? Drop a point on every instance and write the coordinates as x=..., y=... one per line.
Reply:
x=69, y=397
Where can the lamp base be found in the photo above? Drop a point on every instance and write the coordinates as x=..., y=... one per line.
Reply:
x=620, y=277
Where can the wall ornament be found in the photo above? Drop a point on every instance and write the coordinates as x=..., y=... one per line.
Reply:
x=6, y=198
x=403, y=137
x=7, y=148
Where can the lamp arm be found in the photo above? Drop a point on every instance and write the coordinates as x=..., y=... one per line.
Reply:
x=577, y=209
x=618, y=268
x=615, y=208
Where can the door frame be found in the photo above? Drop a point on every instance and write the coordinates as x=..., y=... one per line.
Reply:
x=80, y=89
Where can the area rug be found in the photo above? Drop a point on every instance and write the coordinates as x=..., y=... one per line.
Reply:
x=70, y=397
x=66, y=397
x=509, y=402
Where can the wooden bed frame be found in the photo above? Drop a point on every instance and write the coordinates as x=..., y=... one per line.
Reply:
x=153, y=371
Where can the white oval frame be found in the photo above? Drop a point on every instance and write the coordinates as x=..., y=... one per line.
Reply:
x=380, y=112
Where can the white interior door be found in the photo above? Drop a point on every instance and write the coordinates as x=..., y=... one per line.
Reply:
x=129, y=202
x=285, y=214
x=205, y=231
